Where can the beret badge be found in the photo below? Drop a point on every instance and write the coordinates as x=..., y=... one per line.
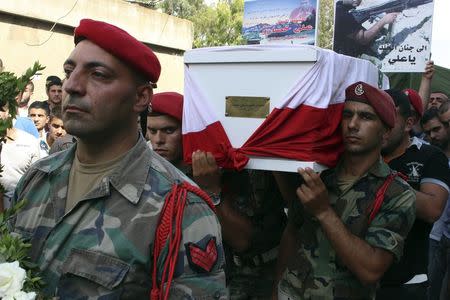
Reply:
x=359, y=90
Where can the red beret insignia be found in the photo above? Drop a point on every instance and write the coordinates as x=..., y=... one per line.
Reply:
x=359, y=90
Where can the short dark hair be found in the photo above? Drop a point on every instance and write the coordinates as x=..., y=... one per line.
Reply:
x=429, y=114
x=56, y=112
x=401, y=101
x=52, y=80
x=438, y=91
x=40, y=105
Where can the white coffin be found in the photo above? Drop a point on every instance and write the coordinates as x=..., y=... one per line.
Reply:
x=257, y=71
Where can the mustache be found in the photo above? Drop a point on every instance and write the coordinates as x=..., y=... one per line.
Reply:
x=71, y=100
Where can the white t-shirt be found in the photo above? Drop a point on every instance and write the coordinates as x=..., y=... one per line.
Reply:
x=16, y=157
x=22, y=111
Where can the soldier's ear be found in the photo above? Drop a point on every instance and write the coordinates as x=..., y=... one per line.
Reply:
x=409, y=124
x=386, y=134
x=144, y=94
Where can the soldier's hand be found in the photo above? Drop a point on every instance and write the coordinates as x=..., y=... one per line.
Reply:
x=429, y=70
x=205, y=171
x=313, y=193
x=389, y=18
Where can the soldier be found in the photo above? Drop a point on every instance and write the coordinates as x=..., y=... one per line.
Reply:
x=248, y=203
x=348, y=223
x=93, y=210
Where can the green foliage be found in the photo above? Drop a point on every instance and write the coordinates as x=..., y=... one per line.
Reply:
x=326, y=21
x=184, y=9
x=13, y=248
x=220, y=25
x=10, y=87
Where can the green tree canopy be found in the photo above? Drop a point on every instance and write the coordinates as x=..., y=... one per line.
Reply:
x=220, y=25
x=217, y=25
x=326, y=24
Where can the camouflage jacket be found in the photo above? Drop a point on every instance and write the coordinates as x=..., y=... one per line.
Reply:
x=102, y=248
x=316, y=272
x=255, y=195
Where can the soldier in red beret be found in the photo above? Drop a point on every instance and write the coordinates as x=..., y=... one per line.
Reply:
x=164, y=127
x=349, y=223
x=96, y=213
x=248, y=203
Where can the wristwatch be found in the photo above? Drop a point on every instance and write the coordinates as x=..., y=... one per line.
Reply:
x=215, y=198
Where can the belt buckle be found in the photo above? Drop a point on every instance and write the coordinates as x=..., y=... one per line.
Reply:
x=237, y=260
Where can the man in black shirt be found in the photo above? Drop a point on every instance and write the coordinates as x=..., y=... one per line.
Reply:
x=426, y=168
x=350, y=37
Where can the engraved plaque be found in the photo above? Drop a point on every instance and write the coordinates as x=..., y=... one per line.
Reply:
x=247, y=107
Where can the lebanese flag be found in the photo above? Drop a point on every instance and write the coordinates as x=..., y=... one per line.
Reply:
x=304, y=127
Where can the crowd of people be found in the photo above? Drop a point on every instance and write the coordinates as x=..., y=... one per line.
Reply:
x=114, y=212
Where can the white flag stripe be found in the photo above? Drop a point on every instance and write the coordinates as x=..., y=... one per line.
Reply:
x=322, y=85
x=197, y=112
x=326, y=81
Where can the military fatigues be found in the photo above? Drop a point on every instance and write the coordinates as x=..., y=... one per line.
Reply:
x=315, y=272
x=102, y=247
x=250, y=274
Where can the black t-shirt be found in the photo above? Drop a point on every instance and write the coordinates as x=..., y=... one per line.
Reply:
x=421, y=163
x=346, y=26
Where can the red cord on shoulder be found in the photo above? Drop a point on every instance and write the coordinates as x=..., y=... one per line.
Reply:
x=379, y=197
x=170, y=228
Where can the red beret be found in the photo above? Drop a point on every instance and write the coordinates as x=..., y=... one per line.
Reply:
x=168, y=103
x=122, y=45
x=415, y=100
x=381, y=102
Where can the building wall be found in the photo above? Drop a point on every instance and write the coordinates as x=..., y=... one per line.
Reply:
x=28, y=33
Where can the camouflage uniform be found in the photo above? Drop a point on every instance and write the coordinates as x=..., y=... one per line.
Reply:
x=102, y=247
x=316, y=272
x=250, y=274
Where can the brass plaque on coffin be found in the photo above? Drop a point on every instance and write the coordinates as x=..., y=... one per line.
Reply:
x=247, y=107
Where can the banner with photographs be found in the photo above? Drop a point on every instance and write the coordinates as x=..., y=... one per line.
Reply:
x=280, y=21
x=393, y=34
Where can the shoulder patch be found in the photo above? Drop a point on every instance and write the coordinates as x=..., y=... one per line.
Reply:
x=202, y=259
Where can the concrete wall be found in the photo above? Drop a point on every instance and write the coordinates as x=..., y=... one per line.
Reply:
x=25, y=35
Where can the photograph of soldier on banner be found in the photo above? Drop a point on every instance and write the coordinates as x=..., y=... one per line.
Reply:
x=281, y=21
x=393, y=34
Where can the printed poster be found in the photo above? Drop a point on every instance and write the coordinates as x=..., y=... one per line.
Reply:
x=393, y=34
x=280, y=21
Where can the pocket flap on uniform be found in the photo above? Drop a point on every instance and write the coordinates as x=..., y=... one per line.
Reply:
x=103, y=269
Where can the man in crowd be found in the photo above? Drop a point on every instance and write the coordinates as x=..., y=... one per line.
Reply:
x=53, y=88
x=100, y=230
x=416, y=106
x=23, y=100
x=55, y=126
x=437, y=98
x=430, y=98
x=349, y=223
x=350, y=37
x=435, y=125
x=39, y=112
x=426, y=168
x=19, y=151
x=248, y=203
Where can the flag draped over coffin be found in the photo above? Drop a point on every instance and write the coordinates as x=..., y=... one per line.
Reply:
x=304, y=127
